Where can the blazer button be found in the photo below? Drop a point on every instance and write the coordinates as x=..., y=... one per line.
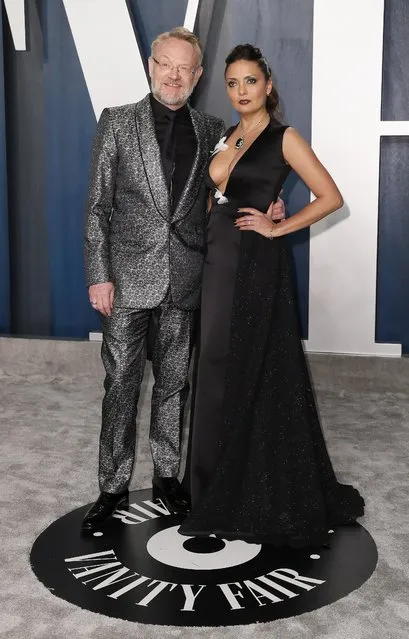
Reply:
x=173, y=226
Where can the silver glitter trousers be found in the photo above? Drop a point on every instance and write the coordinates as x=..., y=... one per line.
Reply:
x=124, y=355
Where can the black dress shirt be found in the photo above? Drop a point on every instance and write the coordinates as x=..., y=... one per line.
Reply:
x=177, y=143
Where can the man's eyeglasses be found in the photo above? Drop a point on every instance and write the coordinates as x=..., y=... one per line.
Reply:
x=182, y=69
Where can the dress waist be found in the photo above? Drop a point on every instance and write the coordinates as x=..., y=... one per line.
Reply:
x=231, y=205
x=229, y=210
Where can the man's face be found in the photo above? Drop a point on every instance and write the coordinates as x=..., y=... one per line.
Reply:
x=174, y=72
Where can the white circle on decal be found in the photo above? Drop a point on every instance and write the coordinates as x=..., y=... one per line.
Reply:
x=167, y=546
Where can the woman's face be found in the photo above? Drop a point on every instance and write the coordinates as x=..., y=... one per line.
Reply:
x=246, y=86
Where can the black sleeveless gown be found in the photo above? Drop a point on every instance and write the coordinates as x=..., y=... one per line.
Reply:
x=258, y=463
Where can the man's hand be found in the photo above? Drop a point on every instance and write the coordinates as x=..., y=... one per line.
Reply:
x=101, y=297
x=276, y=211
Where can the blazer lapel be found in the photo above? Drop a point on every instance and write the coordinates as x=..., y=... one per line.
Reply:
x=151, y=158
x=194, y=180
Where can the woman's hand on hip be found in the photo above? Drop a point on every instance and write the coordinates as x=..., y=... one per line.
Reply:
x=276, y=210
x=257, y=221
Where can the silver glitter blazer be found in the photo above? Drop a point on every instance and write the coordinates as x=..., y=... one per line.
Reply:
x=131, y=236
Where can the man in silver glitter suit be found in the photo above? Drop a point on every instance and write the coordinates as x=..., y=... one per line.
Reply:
x=144, y=244
x=144, y=254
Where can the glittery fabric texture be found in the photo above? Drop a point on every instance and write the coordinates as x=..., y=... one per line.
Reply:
x=154, y=257
x=131, y=236
x=123, y=354
x=260, y=470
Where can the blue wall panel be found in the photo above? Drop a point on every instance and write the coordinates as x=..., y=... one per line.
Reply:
x=392, y=311
x=46, y=86
x=151, y=17
x=395, y=94
x=70, y=126
x=29, y=269
x=4, y=235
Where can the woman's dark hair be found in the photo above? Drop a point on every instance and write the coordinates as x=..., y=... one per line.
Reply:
x=253, y=54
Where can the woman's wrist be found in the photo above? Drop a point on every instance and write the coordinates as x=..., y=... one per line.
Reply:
x=272, y=232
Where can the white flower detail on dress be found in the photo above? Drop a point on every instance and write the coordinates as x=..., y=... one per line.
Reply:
x=221, y=199
x=220, y=146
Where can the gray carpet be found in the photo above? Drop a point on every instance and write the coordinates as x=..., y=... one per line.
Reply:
x=50, y=397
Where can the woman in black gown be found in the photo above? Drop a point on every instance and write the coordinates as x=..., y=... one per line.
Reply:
x=259, y=467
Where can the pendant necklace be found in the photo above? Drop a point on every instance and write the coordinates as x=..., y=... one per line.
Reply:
x=240, y=140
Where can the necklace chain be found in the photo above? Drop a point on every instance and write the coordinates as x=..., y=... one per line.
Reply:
x=240, y=140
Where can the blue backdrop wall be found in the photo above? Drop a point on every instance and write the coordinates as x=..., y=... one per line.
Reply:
x=47, y=125
x=4, y=234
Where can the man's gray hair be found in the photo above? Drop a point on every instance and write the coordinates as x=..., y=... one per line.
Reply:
x=180, y=33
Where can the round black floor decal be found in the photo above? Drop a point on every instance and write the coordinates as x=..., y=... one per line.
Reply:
x=138, y=567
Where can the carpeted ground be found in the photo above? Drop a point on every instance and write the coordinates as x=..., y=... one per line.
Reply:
x=50, y=394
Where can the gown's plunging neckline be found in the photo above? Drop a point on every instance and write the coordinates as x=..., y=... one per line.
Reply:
x=240, y=158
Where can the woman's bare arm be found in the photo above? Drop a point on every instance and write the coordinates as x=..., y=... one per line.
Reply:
x=302, y=159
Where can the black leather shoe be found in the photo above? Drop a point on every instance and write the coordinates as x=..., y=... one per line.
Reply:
x=103, y=508
x=169, y=490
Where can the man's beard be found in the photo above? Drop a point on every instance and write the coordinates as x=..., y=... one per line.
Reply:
x=180, y=99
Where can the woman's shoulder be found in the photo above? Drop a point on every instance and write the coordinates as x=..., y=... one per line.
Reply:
x=279, y=130
x=278, y=125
